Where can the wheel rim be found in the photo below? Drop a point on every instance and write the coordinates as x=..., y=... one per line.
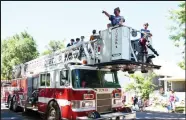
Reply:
x=9, y=104
x=52, y=114
x=14, y=105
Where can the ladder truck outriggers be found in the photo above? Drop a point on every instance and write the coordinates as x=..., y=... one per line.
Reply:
x=81, y=81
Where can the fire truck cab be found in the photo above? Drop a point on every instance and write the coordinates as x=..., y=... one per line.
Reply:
x=79, y=82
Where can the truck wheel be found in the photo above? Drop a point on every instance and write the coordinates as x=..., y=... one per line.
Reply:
x=15, y=106
x=10, y=104
x=53, y=112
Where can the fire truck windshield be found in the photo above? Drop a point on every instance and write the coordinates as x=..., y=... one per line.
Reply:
x=82, y=78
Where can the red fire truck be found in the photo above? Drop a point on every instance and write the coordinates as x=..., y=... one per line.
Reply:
x=81, y=81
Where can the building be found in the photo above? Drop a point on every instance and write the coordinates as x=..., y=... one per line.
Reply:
x=170, y=76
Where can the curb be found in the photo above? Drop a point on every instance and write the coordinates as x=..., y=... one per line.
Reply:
x=160, y=112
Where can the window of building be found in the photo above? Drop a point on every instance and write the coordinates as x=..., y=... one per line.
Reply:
x=161, y=76
x=160, y=83
x=169, y=83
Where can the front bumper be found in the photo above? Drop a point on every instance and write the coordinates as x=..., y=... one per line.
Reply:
x=112, y=116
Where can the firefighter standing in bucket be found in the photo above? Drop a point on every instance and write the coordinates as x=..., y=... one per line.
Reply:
x=115, y=20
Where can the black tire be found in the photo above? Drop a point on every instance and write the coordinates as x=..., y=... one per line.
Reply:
x=53, y=112
x=14, y=104
x=10, y=105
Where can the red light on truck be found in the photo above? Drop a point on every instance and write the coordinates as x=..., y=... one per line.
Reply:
x=88, y=96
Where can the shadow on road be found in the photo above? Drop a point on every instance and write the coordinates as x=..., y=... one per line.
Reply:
x=10, y=115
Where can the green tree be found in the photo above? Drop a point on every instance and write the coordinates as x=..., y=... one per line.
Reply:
x=141, y=84
x=182, y=64
x=177, y=30
x=15, y=50
x=53, y=46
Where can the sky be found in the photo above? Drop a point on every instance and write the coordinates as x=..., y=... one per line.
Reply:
x=62, y=20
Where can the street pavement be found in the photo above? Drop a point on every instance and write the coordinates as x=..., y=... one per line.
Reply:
x=6, y=114
x=9, y=115
x=160, y=115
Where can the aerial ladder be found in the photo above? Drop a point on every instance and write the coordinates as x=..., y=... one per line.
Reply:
x=113, y=49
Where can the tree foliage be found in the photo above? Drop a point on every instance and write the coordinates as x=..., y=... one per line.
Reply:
x=15, y=50
x=182, y=64
x=142, y=84
x=178, y=17
x=53, y=46
x=178, y=30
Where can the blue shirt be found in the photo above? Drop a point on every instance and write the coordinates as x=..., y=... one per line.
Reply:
x=144, y=30
x=115, y=19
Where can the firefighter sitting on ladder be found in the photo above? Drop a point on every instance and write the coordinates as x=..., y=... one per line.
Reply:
x=115, y=20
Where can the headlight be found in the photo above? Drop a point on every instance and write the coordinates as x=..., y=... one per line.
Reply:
x=89, y=103
x=75, y=104
x=83, y=103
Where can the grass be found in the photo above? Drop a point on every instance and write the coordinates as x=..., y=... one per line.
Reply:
x=180, y=109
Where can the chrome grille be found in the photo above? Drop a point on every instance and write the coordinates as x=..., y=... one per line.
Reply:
x=104, y=103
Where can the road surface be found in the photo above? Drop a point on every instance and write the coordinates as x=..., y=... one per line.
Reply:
x=6, y=114
x=160, y=115
x=9, y=115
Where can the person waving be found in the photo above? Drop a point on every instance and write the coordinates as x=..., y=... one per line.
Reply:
x=115, y=20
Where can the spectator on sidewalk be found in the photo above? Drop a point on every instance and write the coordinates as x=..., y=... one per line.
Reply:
x=161, y=91
x=146, y=102
x=168, y=106
x=172, y=99
x=135, y=101
x=140, y=104
x=123, y=98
